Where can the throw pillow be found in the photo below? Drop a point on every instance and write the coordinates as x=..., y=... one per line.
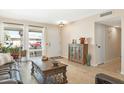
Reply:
x=1, y=61
x=6, y=58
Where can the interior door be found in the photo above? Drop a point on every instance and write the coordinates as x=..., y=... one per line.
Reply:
x=100, y=43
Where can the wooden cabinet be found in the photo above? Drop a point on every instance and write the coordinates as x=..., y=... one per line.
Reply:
x=78, y=53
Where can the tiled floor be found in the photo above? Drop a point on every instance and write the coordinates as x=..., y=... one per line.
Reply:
x=76, y=73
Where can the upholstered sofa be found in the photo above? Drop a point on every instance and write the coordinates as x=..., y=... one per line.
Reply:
x=106, y=79
x=9, y=73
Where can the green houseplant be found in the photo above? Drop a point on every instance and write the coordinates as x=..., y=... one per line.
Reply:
x=88, y=59
x=10, y=50
x=5, y=50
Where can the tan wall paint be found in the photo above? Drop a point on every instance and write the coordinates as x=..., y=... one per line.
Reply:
x=113, y=43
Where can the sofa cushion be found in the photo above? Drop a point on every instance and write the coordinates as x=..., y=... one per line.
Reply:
x=10, y=74
x=5, y=58
x=8, y=81
x=1, y=61
x=102, y=78
x=4, y=76
x=9, y=66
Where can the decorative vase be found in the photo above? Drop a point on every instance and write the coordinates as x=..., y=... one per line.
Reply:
x=88, y=59
x=55, y=63
x=73, y=41
x=82, y=40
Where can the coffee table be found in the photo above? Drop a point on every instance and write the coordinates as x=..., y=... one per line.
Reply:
x=46, y=73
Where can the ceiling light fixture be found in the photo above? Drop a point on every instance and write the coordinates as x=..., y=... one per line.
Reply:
x=61, y=24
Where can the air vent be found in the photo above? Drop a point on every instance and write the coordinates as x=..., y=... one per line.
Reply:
x=106, y=14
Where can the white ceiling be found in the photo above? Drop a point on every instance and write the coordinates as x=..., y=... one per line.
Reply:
x=48, y=15
x=115, y=21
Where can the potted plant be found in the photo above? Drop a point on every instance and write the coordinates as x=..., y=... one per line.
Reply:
x=15, y=52
x=5, y=50
x=88, y=59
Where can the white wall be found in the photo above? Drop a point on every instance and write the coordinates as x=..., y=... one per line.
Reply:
x=122, y=44
x=100, y=41
x=53, y=37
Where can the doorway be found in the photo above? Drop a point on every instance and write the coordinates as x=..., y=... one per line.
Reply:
x=108, y=42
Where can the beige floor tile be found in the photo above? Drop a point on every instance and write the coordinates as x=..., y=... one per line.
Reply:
x=77, y=73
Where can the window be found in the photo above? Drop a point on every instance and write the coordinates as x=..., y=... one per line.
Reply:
x=35, y=40
x=12, y=38
x=35, y=43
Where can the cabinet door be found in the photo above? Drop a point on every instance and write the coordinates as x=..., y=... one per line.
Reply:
x=71, y=53
x=81, y=54
x=76, y=53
